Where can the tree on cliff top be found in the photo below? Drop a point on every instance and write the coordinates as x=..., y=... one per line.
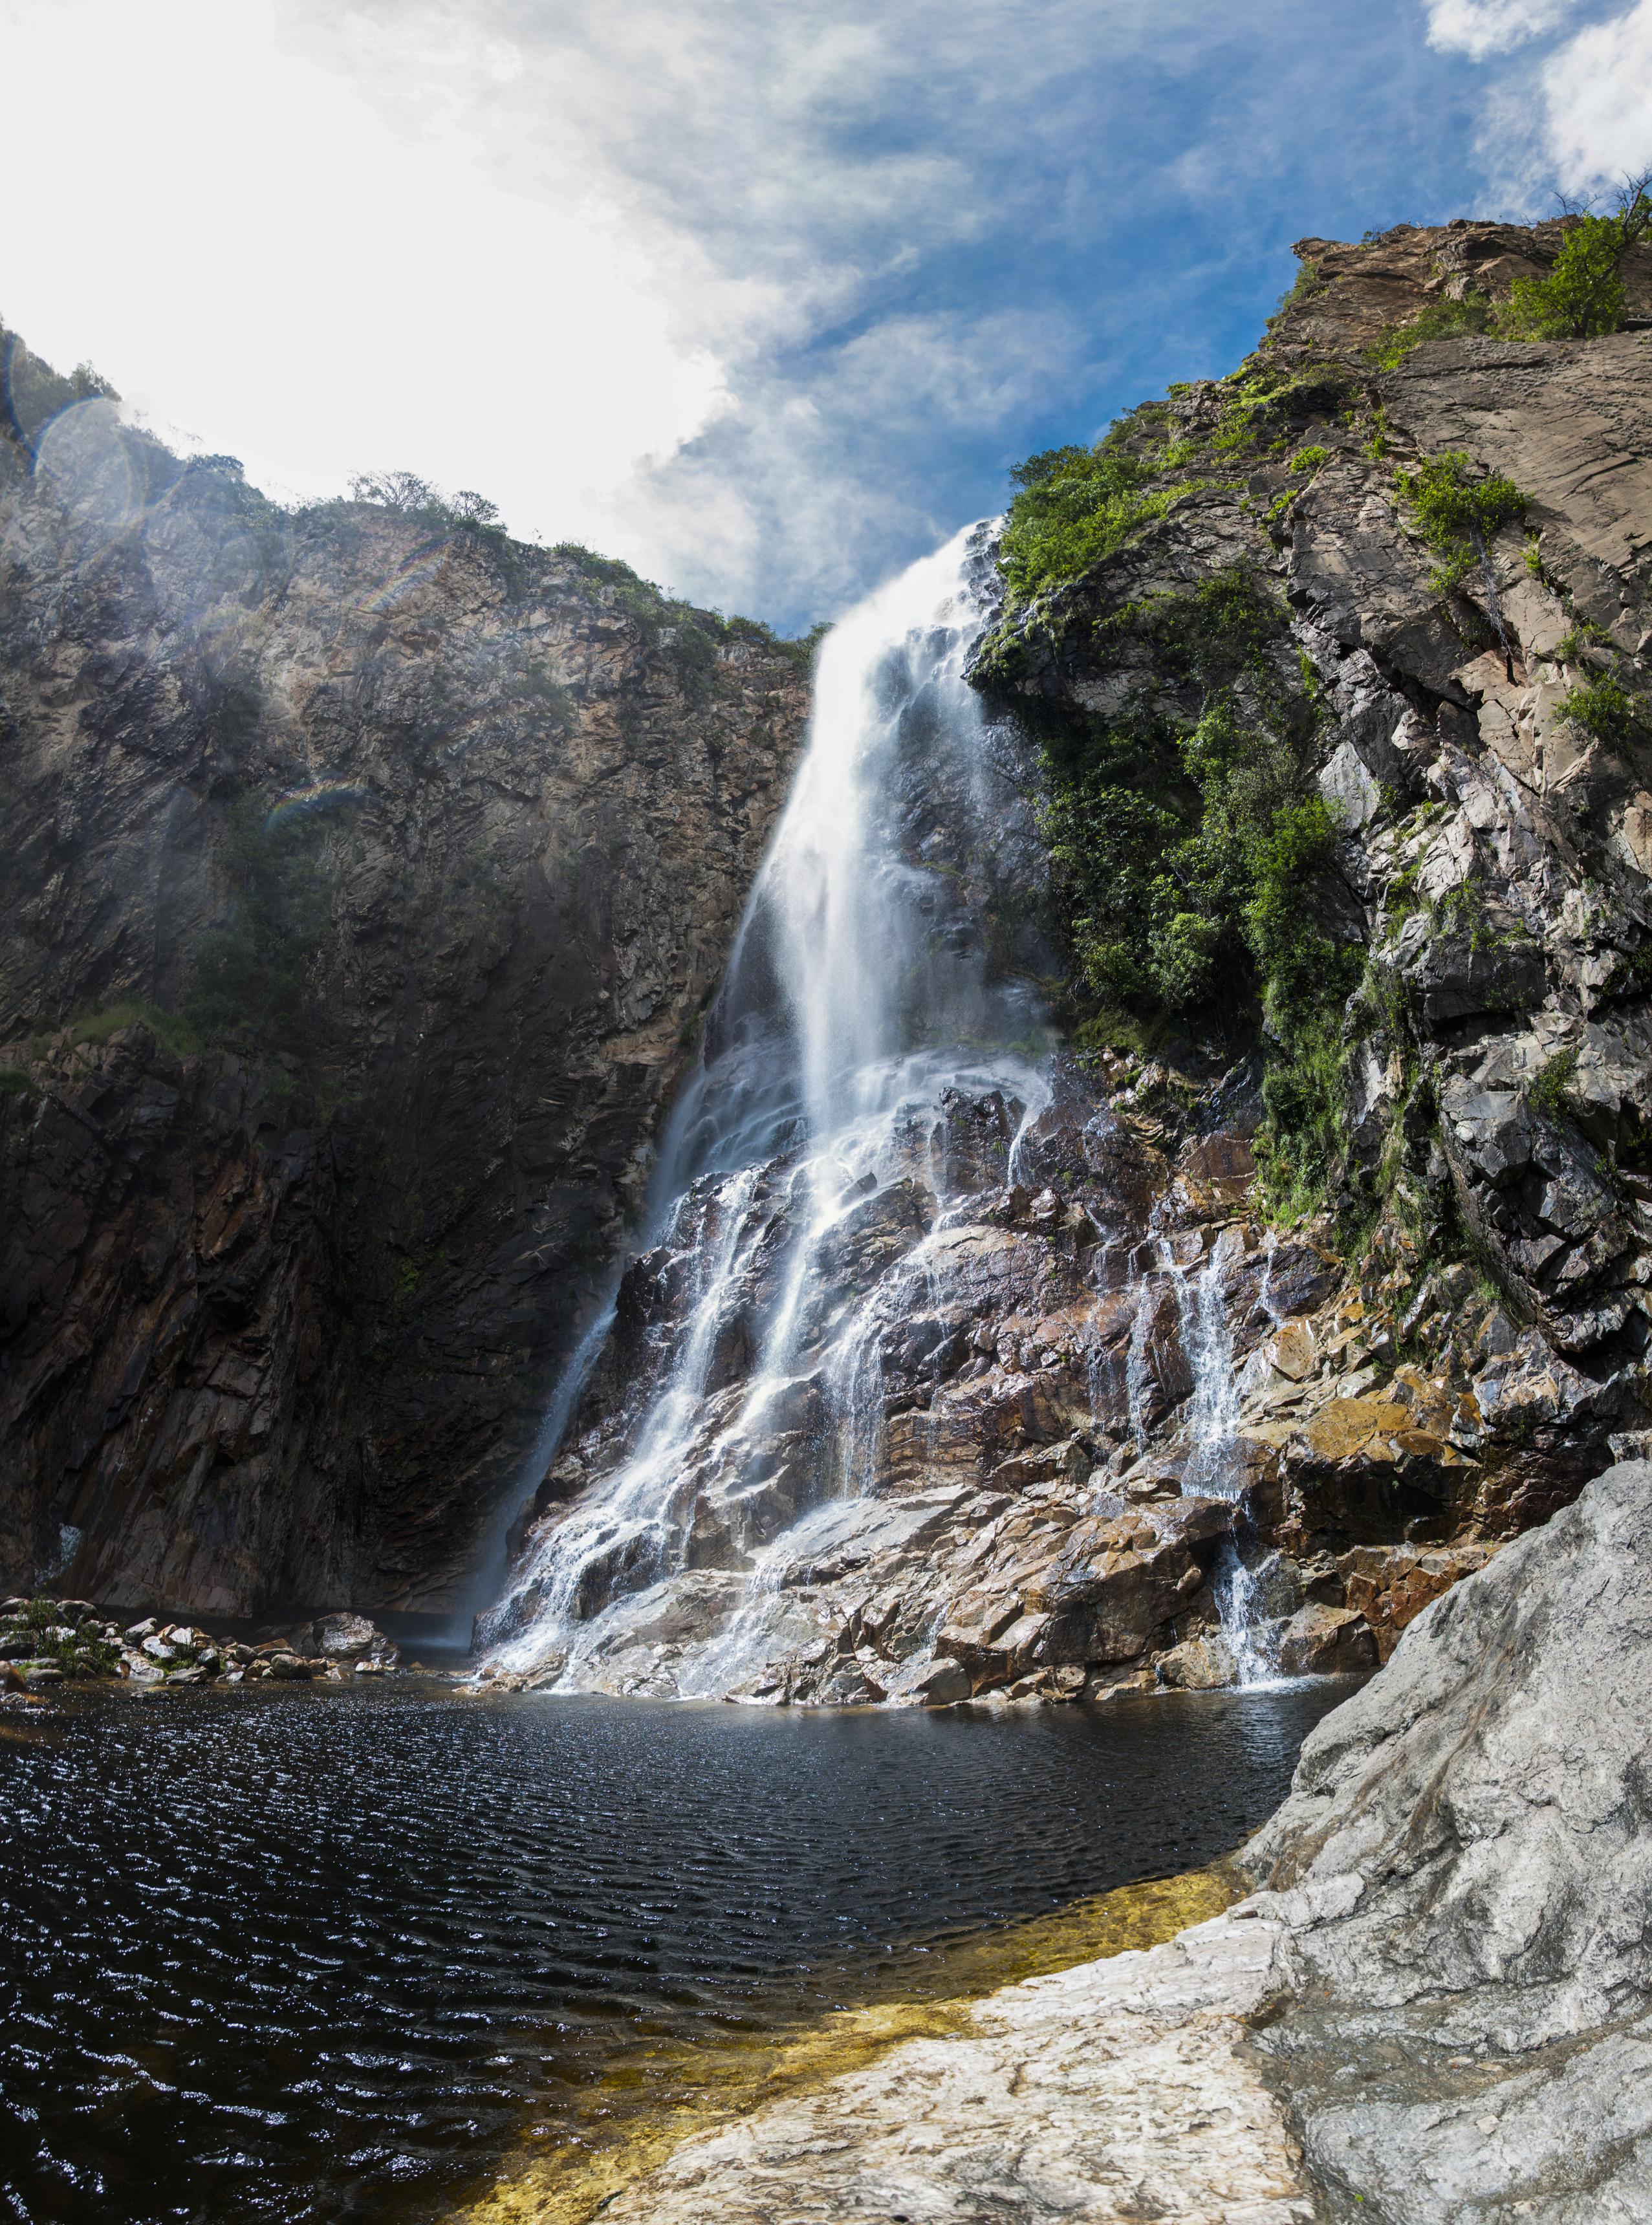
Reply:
x=1583, y=296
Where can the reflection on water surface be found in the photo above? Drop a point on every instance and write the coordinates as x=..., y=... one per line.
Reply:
x=283, y=1956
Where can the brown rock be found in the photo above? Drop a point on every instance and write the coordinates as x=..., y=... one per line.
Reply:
x=1324, y=1641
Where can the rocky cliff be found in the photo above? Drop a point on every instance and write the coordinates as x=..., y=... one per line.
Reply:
x=366, y=874
x=1448, y=537
x=1323, y=1271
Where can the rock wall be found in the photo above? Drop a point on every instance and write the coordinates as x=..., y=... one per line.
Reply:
x=366, y=874
x=1479, y=1352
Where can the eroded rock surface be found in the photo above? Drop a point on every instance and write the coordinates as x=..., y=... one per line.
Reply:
x=1120, y=2090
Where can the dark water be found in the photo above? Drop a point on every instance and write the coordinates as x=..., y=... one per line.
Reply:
x=281, y=1955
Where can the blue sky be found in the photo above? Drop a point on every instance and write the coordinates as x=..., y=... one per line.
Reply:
x=764, y=296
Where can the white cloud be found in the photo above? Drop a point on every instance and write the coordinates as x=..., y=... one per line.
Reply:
x=1598, y=102
x=1479, y=27
x=248, y=248
x=757, y=295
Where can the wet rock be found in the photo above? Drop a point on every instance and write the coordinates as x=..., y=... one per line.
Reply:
x=1323, y=1641
x=1198, y=1664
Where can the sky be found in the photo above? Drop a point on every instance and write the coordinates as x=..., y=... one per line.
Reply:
x=764, y=296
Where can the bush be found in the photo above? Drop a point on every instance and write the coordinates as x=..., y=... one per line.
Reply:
x=1440, y=320
x=1455, y=513
x=1549, y=1092
x=170, y=1031
x=1076, y=505
x=1605, y=711
x=1189, y=855
x=1583, y=295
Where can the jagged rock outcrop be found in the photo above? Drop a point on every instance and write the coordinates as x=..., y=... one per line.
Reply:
x=366, y=873
x=1433, y=2012
x=1486, y=1355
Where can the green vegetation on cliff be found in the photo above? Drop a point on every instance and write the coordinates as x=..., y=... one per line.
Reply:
x=1076, y=505
x=1189, y=846
x=1583, y=296
x=1456, y=513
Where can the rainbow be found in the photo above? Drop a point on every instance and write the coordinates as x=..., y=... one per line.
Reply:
x=422, y=566
x=317, y=796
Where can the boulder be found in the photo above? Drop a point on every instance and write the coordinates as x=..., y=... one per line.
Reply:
x=1464, y=1870
x=351, y=1638
x=1323, y=1641
x=1198, y=1664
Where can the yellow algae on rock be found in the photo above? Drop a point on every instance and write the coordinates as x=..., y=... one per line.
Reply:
x=628, y=2123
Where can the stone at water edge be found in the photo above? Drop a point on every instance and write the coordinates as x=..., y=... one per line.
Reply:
x=346, y=1637
x=1324, y=1641
x=1464, y=1871
x=1198, y=1664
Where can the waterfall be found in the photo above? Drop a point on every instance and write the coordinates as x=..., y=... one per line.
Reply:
x=1208, y=1340
x=1212, y=1417
x=858, y=999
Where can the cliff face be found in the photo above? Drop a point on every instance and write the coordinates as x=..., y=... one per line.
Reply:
x=365, y=876
x=1471, y=1104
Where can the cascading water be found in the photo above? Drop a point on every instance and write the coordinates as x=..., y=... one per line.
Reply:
x=1213, y=1417
x=857, y=1002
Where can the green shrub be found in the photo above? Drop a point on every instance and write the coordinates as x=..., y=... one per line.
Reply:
x=1188, y=854
x=1074, y=507
x=1439, y=320
x=1581, y=634
x=1583, y=295
x=1605, y=711
x=1549, y=1092
x=173, y=1032
x=1262, y=400
x=1455, y=513
x=1308, y=460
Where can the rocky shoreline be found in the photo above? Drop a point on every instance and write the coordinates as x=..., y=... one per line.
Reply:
x=45, y=1643
x=1435, y=2008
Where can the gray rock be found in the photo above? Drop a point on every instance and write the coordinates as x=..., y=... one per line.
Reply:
x=351, y=1638
x=1465, y=1872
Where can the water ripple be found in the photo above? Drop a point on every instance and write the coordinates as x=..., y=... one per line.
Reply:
x=277, y=1958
